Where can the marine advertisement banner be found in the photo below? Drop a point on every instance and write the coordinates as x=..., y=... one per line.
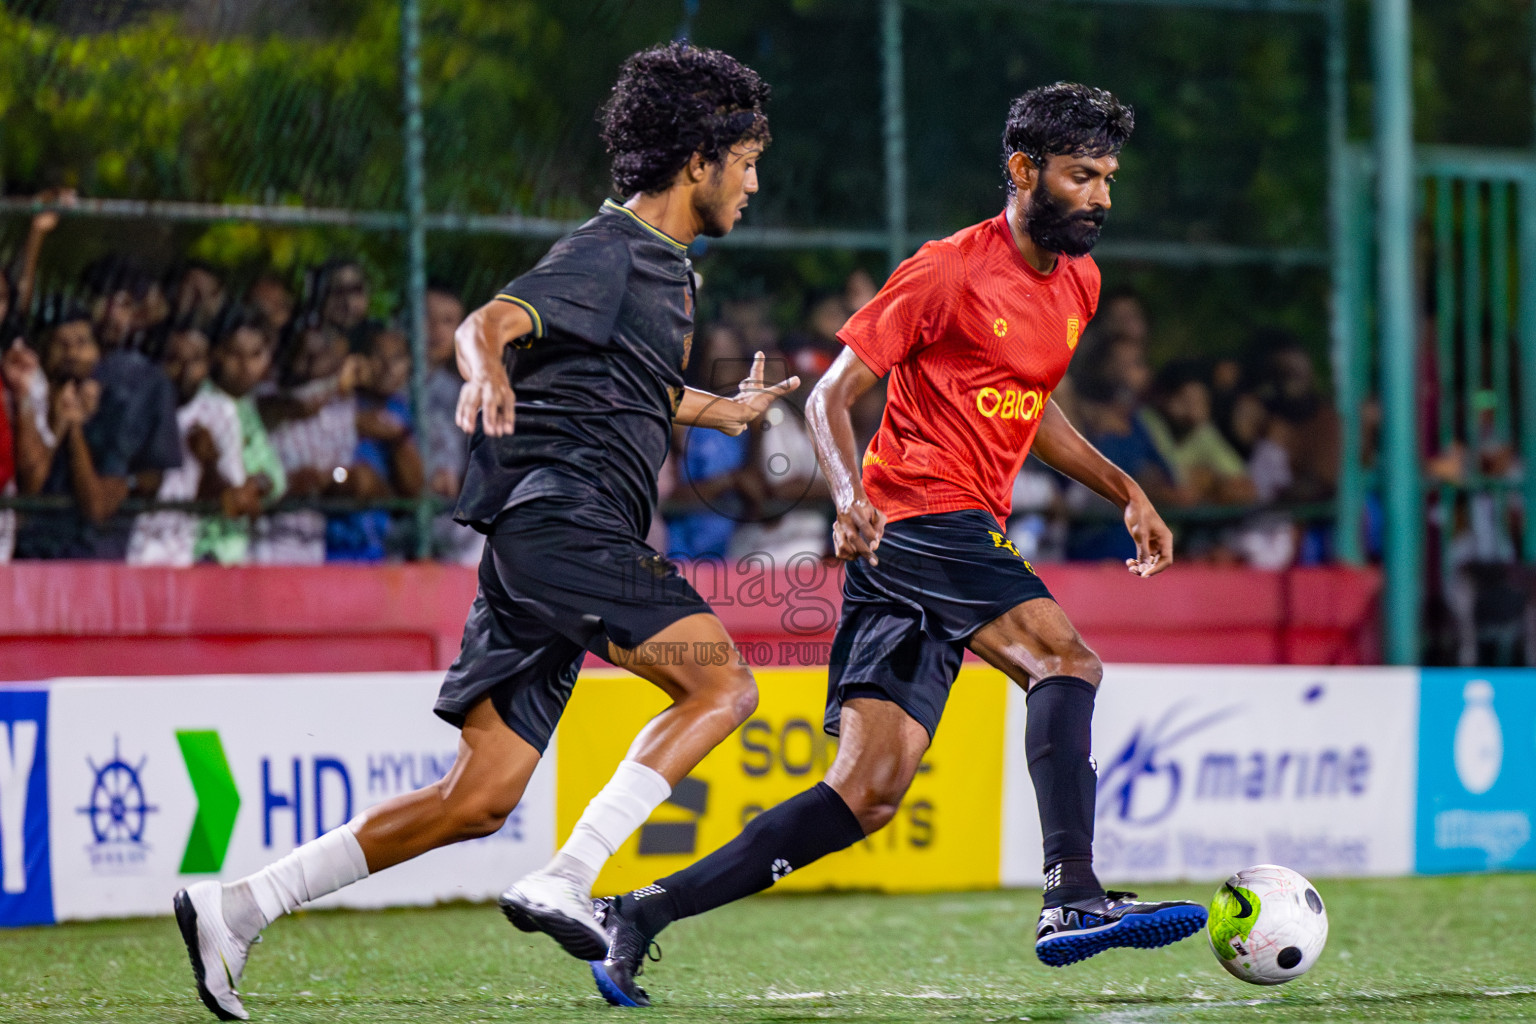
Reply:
x=1205, y=770
x=157, y=783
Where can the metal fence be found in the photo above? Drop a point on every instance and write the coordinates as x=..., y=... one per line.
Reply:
x=311, y=145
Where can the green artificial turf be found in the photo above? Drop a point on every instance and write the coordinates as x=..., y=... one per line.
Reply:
x=1425, y=949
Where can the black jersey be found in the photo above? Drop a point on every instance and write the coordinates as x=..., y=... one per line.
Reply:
x=599, y=379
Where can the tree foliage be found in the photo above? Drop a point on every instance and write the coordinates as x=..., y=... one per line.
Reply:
x=298, y=102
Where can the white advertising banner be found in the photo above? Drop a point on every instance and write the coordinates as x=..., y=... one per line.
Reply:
x=155, y=783
x=1205, y=770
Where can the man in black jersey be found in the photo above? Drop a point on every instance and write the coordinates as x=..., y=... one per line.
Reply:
x=562, y=478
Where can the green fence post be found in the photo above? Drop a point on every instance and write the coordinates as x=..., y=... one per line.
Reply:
x=1471, y=314
x=1445, y=344
x=1498, y=308
x=895, y=134
x=416, y=253
x=1527, y=330
x=1350, y=502
x=1396, y=313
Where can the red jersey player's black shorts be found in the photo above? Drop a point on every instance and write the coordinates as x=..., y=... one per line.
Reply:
x=905, y=622
x=561, y=575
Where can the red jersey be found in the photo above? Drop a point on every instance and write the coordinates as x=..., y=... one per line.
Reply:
x=975, y=340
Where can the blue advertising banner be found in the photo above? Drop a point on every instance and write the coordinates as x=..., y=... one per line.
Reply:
x=1477, y=770
x=26, y=884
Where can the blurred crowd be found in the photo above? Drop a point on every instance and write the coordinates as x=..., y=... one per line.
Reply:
x=177, y=390
x=212, y=408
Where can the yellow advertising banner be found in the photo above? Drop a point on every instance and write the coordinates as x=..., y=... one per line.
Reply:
x=946, y=836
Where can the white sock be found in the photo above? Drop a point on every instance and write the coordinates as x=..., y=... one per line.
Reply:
x=612, y=817
x=318, y=867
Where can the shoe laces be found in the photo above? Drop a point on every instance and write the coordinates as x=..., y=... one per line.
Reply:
x=652, y=953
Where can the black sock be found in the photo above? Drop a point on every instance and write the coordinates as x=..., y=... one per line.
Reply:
x=802, y=829
x=1057, y=742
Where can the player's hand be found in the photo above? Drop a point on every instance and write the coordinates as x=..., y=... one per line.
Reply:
x=857, y=532
x=754, y=395
x=1154, y=541
x=491, y=397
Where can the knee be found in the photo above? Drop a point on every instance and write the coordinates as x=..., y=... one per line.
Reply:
x=474, y=815
x=874, y=799
x=1074, y=660
x=877, y=811
x=735, y=695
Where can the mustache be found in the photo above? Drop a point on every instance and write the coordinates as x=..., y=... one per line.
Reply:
x=1094, y=217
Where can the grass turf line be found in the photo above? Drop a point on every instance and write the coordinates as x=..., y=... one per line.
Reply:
x=1429, y=949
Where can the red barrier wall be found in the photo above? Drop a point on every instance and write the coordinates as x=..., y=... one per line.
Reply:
x=83, y=618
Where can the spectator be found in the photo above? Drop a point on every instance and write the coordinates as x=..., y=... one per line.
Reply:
x=447, y=446
x=7, y=474
x=341, y=295
x=211, y=466
x=792, y=495
x=708, y=502
x=311, y=420
x=858, y=289
x=1122, y=315
x=1109, y=380
x=1268, y=463
x=19, y=291
x=1203, y=464
x=118, y=287
x=197, y=295
x=87, y=461
x=10, y=320
x=150, y=436
x=269, y=296
x=242, y=355
x=1305, y=423
x=1039, y=522
x=388, y=462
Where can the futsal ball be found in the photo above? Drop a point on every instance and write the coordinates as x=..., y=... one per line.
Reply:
x=1267, y=925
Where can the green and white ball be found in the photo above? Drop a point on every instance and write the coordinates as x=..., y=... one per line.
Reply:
x=1267, y=925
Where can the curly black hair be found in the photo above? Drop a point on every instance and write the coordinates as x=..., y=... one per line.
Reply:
x=673, y=101
x=1065, y=119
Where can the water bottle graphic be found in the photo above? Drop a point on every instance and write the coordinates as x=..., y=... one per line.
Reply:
x=1479, y=749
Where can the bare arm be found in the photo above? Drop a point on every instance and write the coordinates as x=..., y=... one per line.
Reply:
x=33, y=456
x=1060, y=446
x=99, y=496
x=20, y=370
x=859, y=524
x=732, y=415
x=479, y=344
x=406, y=471
x=42, y=224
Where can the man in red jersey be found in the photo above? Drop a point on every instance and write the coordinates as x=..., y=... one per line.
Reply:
x=975, y=332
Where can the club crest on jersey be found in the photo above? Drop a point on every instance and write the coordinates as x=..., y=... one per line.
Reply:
x=1074, y=331
x=1000, y=327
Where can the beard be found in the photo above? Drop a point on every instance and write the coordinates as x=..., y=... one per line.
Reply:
x=1056, y=228
x=717, y=206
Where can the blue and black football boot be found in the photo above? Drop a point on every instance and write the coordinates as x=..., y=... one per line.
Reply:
x=628, y=949
x=1085, y=928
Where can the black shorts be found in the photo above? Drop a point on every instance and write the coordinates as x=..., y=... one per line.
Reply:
x=560, y=576
x=906, y=622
